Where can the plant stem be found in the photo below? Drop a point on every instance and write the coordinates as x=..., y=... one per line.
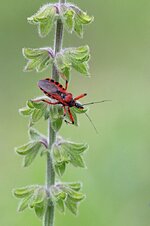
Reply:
x=50, y=173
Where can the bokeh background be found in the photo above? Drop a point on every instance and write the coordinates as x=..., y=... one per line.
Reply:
x=117, y=180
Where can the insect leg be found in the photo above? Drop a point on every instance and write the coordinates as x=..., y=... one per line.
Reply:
x=71, y=117
x=66, y=87
x=80, y=96
x=64, y=111
x=46, y=101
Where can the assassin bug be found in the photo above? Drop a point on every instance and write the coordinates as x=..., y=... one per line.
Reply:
x=56, y=91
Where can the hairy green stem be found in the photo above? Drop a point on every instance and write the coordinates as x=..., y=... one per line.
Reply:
x=50, y=173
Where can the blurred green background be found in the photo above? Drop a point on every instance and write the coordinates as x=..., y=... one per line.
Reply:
x=117, y=181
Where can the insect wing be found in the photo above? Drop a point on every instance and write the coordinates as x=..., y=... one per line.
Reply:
x=47, y=86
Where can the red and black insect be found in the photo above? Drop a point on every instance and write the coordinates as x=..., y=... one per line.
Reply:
x=56, y=91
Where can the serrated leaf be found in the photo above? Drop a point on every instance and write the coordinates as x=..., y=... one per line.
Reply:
x=24, y=192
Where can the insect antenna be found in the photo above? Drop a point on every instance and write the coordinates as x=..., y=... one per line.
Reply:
x=91, y=122
x=96, y=102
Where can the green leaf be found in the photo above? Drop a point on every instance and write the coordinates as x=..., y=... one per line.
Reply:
x=69, y=58
x=44, y=18
x=71, y=205
x=80, y=54
x=25, y=111
x=44, y=28
x=75, y=196
x=63, y=65
x=30, y=104
x=24, y=204
x=24, y=192
x=56, y=114
x=46, y=114
x=83, y=68
x=36, y=109
x=57, y=154
x=68, y=152
x=78, y=27
x=37, y=115
x=38, y=59
x=65, y=73
x=74, y=151
x=38, y=197
x=30, y=53
x=38, y=105
x=60, y=168
x=66, y=194
x=57, y=193
x=60, y=157
x=31, y=156
x=78, y=110
x=40, y=209
x=56, y=125
x=76, y=186
x=77, y=161
x=74, y=147
x=60, y=205
x=27, y=148
x=36, y=135
x=33, y=196
x=83, y=17
x=67, y=16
